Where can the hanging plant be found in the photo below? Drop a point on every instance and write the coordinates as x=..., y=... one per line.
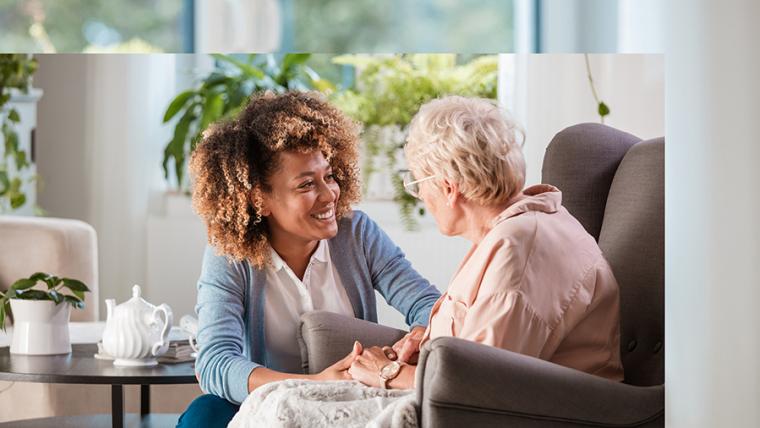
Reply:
x=16, y=71
x=388, y=92
x=601, y=108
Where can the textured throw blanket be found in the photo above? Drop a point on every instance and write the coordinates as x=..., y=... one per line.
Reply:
x=303, y=403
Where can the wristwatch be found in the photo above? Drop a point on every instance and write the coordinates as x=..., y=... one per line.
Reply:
x=388, y=372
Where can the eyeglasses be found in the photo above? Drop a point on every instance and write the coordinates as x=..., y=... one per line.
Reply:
x=411, y=185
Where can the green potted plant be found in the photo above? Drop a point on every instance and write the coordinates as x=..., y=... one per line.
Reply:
x=41, y=315
x=222, y=94
x=388, y=91
x=16, y=71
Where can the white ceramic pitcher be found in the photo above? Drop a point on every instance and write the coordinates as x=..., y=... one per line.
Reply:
x=135, y=332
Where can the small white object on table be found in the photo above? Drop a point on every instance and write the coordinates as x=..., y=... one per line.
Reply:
x=87, y=332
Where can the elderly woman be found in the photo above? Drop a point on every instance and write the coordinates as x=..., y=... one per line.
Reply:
x=534, y=282
x=274, y=187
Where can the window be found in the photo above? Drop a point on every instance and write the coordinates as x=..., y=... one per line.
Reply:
x=475, y=26
x=79, y=25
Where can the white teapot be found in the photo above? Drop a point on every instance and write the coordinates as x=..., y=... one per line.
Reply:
x=135, y=334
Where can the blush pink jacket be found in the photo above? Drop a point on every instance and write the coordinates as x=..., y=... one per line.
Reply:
x=539, y=285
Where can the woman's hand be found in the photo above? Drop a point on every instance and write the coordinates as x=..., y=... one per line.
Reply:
x=408, y=348
x=366, y=367
x=339, y=370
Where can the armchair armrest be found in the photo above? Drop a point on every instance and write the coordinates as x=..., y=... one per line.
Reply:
x=461, y=382
x=326, y=337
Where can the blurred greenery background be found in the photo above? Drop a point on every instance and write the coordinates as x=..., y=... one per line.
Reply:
x=79, y=25
x=328, y=26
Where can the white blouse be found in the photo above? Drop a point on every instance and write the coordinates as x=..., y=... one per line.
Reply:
x=287, y=298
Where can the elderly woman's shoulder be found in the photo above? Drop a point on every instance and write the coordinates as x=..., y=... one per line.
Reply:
x=511, y=230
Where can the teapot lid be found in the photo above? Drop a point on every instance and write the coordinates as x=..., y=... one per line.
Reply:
x=136, y=302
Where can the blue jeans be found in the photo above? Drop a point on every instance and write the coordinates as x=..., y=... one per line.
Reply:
x=208, y=411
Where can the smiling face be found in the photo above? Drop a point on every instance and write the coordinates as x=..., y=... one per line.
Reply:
x=300, y=208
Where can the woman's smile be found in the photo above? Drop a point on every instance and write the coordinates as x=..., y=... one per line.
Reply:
x=325, y=215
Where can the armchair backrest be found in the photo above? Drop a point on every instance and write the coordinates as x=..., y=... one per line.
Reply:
x=633, y=241
x=581, y=161
x=57, y=246
x=613, y=183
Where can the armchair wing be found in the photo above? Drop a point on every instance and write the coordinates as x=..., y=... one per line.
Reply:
x=462, y=383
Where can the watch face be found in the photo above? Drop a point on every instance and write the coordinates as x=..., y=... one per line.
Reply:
x=390, y=370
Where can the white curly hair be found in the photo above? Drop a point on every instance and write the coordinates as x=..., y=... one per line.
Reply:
x=471, y=142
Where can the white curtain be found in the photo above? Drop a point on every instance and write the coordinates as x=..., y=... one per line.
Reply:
x=712, y=233
x=237, y=25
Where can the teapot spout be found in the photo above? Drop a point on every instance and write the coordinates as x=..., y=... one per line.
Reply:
x=110, y=303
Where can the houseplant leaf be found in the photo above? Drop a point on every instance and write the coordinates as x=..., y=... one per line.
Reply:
x=18, y=199
x=40, y=276
x=289, y=68
x=212, y=110
x=75, y=285
x=23, y=284
x=292, y=59
x=13, y=116
x=247, y=69
x=73, y=301
x=176, y=147
x=603, y=109
x=177, y=103
x=55, y=296
x=5, y=184
x=32, y=295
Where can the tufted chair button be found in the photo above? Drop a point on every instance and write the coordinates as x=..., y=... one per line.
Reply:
x=632, y=345
x=657, y=347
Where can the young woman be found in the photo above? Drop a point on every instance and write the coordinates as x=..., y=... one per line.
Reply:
x=274, y=187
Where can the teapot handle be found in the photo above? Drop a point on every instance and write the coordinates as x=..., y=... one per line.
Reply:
x=162, y=345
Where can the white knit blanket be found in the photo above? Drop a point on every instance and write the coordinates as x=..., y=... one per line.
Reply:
x=304, y=403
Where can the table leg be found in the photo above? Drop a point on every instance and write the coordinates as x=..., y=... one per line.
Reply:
x=144, y=400
x=117, y=406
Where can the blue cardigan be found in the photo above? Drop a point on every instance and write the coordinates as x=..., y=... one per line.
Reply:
x=231, y=301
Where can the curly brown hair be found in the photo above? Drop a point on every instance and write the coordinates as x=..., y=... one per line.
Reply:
x=231, y=165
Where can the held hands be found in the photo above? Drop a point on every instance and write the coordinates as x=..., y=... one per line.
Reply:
x=366, y=366
x=408, y=348
x=339, y=370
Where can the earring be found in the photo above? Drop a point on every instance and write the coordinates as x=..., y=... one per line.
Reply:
x=448, y=204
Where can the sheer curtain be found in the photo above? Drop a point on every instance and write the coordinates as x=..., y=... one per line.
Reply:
x=237, y=25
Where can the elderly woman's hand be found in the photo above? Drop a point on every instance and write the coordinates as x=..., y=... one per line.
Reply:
x=339, y=370
x=408, y=348
x=366, y=367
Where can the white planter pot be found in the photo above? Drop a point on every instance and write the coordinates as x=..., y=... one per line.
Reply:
x=40, y=327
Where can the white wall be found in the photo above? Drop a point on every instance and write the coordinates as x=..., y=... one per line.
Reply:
x=100, y=143
x=712, y=233
x=551, y=92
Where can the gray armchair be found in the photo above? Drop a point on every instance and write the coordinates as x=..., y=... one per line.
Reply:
x=614, y=184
